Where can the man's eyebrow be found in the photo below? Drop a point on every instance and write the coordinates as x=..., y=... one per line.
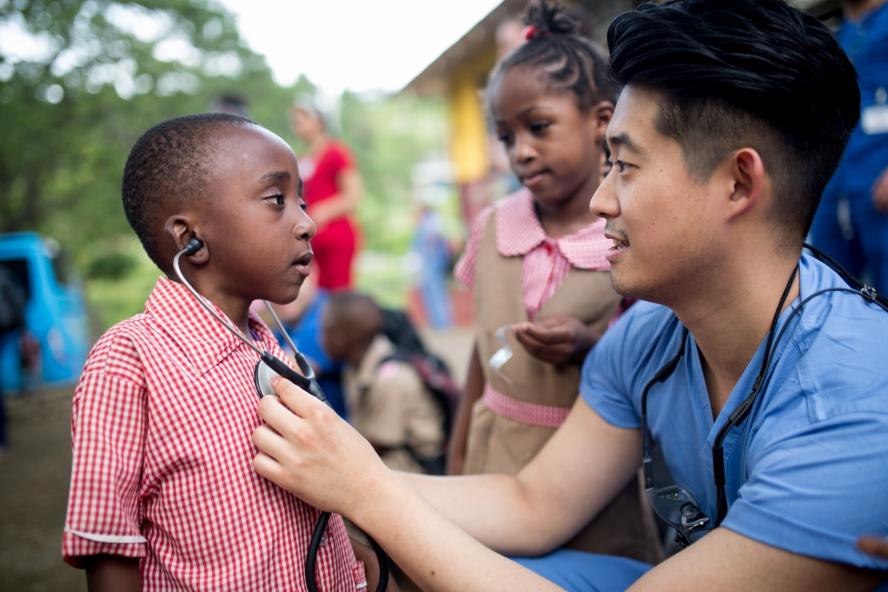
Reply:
x=622, y=140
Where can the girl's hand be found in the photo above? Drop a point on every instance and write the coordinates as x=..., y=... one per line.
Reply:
x=305, y=448
x=880, y=192
x=876, y=546
x=558, y=339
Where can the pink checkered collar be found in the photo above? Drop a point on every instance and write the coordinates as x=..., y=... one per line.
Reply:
x=518, y=232
x=203, y=340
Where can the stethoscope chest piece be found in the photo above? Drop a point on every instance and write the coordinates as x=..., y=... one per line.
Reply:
x=262, y=376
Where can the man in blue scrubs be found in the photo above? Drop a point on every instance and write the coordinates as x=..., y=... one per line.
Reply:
x=852, y=222
x=750, y=361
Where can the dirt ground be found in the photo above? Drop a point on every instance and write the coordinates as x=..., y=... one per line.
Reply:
x=34, y=474
x=33, y=491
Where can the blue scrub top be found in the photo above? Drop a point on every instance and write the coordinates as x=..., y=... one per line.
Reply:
x=807, y=471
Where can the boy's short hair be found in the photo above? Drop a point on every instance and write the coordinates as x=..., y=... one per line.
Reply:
x=754, y=73
x=357, y=310
x=171, y=163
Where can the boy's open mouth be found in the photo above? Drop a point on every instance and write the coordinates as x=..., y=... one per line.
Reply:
x=303, y=262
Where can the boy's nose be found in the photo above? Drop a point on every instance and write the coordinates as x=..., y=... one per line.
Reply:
x=305, y=228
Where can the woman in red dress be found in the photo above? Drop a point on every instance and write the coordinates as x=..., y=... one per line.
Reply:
x=332, y=190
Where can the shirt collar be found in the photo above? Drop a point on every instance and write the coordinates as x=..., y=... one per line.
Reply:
x=202, y=339
x=518, y=232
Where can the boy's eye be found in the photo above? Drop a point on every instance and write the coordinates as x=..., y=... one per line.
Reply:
x=539, y=126
x=277, y=199
x=505, y=138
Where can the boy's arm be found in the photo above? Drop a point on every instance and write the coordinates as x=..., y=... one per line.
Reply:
x=456, y=456
x=113, y=573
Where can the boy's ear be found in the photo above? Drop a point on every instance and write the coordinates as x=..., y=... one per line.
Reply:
x=180, y=228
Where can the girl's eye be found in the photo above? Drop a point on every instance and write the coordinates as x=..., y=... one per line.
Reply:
x=539, y=127
x=620, y=166
x=303, y=205
x=506, y=139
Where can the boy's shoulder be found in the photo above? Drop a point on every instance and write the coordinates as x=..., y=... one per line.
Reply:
x=116, y=352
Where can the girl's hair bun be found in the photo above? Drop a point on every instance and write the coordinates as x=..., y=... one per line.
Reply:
x=546, y=17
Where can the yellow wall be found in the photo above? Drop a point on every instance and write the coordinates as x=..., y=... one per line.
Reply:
x=468, y=132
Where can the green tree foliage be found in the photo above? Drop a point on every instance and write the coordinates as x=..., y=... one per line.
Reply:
x=102, y=72
x=80, y=80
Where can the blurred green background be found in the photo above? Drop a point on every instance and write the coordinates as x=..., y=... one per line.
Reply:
x=85, y=78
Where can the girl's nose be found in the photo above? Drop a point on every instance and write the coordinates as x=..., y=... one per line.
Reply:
x=524, y=151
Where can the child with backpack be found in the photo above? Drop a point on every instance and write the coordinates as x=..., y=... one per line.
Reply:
x=536, y=263
x=391, y=390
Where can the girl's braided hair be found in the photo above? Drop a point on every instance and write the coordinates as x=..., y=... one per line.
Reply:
x=565, y=58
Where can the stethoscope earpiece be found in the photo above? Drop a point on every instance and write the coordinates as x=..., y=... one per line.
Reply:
x=193, y=246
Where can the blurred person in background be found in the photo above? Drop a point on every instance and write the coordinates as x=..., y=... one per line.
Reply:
x=433, y=251
x=387, y=401
x=231, y=102
x=332, y=189
x=852, y=221
x=12, y=319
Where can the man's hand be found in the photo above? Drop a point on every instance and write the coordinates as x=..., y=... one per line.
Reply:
x=558, y=339
x=880, y=192
x=305, y=448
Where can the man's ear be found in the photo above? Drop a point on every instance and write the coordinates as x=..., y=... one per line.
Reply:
x=179, y=227
x=749, y=184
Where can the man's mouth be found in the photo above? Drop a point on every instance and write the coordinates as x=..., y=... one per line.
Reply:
x=621, y=242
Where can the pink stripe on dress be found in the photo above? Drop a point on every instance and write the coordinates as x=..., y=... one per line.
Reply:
x=535, y=414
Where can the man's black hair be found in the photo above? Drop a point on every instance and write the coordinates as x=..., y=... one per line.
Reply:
x=745, y=73
x=171, y=163
x=566, y=60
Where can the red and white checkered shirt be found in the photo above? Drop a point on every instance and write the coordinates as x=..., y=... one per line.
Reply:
x=546, y=261
x=162, y=461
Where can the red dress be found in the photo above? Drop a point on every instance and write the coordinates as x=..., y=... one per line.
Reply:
x=336, y=242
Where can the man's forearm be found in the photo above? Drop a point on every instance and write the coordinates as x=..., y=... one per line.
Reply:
x=432, y=550
x=494, y=509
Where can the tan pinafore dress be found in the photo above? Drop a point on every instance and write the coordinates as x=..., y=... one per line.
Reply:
x=497, y=444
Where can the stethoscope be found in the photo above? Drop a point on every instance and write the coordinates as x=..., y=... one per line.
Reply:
x=675, y=505
x=266, y=368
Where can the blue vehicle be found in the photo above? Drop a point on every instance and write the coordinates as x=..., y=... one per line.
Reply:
x=55, y=315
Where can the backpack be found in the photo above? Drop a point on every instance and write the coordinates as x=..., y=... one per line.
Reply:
x=431, y=369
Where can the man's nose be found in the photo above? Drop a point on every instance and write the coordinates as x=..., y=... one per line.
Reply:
x=604, y=201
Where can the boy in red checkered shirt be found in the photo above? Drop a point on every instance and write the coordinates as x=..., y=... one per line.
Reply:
x=163, y=494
